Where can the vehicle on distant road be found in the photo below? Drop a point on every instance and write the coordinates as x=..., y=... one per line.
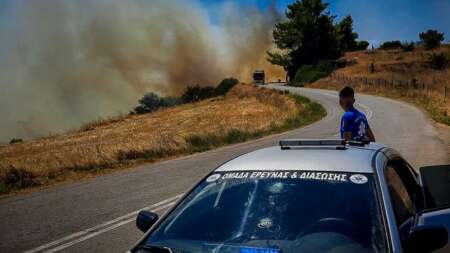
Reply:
x=308, y=196
x=259, y=77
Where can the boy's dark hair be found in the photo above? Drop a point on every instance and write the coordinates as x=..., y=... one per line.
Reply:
x=347, y=92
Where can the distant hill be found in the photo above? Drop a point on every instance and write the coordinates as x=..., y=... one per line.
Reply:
x=415, y=76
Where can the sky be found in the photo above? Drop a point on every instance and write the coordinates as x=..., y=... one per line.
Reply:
x=380, y=20
x=375, y=21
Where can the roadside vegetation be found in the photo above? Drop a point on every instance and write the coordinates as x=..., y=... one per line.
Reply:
x=310, y=41
x=318, y=51
x=311, y=112
x=241, y=113
x=151, y=101
x=420, y=77
x=311, y=73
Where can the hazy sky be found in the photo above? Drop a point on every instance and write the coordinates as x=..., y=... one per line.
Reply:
x=381, y=20
x=375, y=21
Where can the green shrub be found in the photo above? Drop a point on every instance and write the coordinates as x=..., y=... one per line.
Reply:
x=237, y=135
x=431, y=38
x=312, y=73
x=408, y=46
x=225, y=85
x=391, y=45
x=15, y=140
x=439, y=60
x=200, y=143
x=362, y=45
x=197, y=93
x=151, y=102
x=15, y=179
x=149, y=155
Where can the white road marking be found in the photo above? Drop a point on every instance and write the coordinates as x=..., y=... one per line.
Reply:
x=369, y=112
x=104, y=227
x=84, y=238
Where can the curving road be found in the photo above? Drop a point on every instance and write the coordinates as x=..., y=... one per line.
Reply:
x=97, y=215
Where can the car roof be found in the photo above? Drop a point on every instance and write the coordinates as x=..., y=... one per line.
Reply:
x=352, y=159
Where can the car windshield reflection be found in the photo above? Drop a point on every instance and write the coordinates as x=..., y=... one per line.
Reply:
x=278, y=212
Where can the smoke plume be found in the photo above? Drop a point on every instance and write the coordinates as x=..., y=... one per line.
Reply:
x=66, y=62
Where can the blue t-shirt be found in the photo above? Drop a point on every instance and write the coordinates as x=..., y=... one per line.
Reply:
x=356, y=122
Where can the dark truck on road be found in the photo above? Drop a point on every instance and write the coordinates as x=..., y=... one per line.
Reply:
x=259, y=77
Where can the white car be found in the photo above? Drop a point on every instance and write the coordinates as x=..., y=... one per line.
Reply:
x=308, y=196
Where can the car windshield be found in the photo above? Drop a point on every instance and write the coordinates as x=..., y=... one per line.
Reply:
x=271, y=212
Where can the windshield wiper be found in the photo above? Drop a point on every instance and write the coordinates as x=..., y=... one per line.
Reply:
x=156, y=249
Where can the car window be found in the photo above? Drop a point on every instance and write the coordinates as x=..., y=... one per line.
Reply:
x=401, y=199
x=291, y=212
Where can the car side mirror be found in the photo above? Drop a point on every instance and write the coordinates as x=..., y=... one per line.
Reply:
x=427, y=238
x=145, y=220
x=436, y=185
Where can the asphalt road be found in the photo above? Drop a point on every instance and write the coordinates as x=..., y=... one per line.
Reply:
x=97, y=215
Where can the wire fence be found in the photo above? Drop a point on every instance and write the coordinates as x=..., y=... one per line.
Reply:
x=412, y=87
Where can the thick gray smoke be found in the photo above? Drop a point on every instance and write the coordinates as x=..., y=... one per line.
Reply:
x=66, y=62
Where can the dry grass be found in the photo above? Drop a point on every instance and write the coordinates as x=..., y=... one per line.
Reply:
x=400, y=67
x=122, y=141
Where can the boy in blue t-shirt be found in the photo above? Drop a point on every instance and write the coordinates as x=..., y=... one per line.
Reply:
x=354, y=124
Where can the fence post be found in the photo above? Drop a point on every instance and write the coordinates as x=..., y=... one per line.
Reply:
x=445, y=93
x=408, y=91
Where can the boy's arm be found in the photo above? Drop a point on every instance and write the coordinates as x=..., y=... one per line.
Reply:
x=348, y=136
x=370, y=135
x=346, y=123
x=369, y=132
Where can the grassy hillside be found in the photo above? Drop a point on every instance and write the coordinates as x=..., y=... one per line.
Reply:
x=245, y=112
x=409, y=76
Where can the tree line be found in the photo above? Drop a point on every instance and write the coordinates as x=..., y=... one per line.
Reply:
x=431, y=39
x=151, y=101
x=311, y=35
x=310, y=39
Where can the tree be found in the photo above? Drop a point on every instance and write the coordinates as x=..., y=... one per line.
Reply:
x=15, y=140
x=439, y=61
x=312, y=73
x=280, y=59
x=431, y=38
x=394, y=44
x=408, y=46
x=197, y=93
x=225, y=85
x=307, y=36
x=151, y=102
x=345, y=35
x=148, y=103
x=362, y=45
